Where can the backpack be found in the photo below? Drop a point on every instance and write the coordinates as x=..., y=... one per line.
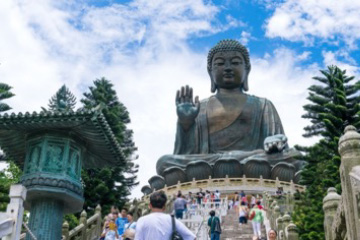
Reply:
x=252, y=215
x=217, y=226
x=175, y=234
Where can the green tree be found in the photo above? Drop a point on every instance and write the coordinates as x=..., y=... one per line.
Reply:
x=110, y=186
x=334, y=105
x=5, y=94
x=62, y=101
x=8, y=176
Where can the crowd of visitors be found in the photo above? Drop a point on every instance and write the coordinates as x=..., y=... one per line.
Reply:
x=159, y=225
x=119, y=226
x=189, y=203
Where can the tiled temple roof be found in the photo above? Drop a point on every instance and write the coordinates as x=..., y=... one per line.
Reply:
x=102, y=148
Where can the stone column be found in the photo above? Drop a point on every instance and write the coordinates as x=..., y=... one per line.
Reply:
x=292, y=232
x=330, y=205
x=349, y=149
x=286, y=221
x=52, y=177
x=46, y=219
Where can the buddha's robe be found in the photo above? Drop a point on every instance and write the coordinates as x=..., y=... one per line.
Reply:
x=238, y=135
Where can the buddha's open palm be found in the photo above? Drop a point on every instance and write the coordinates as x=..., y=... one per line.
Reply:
x=186, y=108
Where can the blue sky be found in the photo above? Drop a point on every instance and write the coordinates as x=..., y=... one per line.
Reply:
x=150, y=48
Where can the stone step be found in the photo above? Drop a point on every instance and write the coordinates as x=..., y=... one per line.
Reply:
x=232, y=230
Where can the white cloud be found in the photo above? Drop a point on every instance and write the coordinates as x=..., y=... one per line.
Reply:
x=245, y=37
x=304, y=20
x=142, y=47
x=281, y=78
x=330, y=58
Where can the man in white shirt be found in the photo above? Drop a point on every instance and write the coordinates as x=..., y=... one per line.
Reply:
x=157, y=224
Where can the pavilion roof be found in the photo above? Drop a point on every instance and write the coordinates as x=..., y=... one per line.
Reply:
x=102, y=148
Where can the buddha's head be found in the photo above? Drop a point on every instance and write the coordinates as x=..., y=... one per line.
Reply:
x=228, y=65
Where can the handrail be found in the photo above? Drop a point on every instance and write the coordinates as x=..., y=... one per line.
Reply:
x=230, y=184
x=199, y=228
x=76, y=230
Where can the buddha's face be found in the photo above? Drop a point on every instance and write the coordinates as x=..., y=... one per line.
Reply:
x=228, y=69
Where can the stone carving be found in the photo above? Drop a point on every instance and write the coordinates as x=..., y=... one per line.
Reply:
x=229, y=125
x=29, y=182
x=227, y=167
x=53, y=158
x=157, y=182
x=255, y=168
x=33, y=162
x=73, y=166
x=146, y=190
x=173, y=175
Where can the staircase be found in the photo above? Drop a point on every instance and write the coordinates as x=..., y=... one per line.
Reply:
x=232, y=230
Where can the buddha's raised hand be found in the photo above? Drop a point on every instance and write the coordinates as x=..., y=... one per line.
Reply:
x=186, y=108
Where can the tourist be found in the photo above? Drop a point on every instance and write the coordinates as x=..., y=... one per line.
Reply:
x=243, y=213
x=179, y=206
x=279, y=191
x=244, y=198
x=129, y=234
x=242, y=193
x=121, y=221
x=131, y=223
x=252, y=201
x=217, y=198
x=236, y=201
x=256, y=215
x=215, y=226
x=185, y=205
x=231, y=204
x=207, y=197
x=193, y=207
x=110, y=230
x=200, y=195
x=158, y=224
x=272, y=234
x=190, y=197
x=212, y=197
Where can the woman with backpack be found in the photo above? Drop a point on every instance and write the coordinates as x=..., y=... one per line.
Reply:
x=243, y=213
x=215, y=227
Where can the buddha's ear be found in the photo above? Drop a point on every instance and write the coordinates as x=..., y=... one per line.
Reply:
x=213, y=85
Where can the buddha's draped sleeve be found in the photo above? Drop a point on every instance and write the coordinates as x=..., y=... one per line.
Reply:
x=271, y=123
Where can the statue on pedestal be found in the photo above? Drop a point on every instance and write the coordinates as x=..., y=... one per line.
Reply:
x=230, y=133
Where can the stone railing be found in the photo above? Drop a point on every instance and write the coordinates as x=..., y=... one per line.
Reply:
x=278, y=210
x=342, y=213
x=88, y=229
x=11, y=221
x=231, y=185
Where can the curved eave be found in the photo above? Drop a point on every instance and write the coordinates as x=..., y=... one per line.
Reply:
x=102, y=148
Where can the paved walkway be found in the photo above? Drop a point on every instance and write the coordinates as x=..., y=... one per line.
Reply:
x=232, y=230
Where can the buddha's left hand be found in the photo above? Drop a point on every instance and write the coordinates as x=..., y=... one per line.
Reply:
x=275, y=144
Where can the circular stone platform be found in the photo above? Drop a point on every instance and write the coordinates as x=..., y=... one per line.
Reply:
x=231, y=185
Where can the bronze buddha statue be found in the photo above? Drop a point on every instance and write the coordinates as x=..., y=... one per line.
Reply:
x=231, y=133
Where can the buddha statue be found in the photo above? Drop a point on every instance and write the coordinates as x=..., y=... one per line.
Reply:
x=230, y=133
